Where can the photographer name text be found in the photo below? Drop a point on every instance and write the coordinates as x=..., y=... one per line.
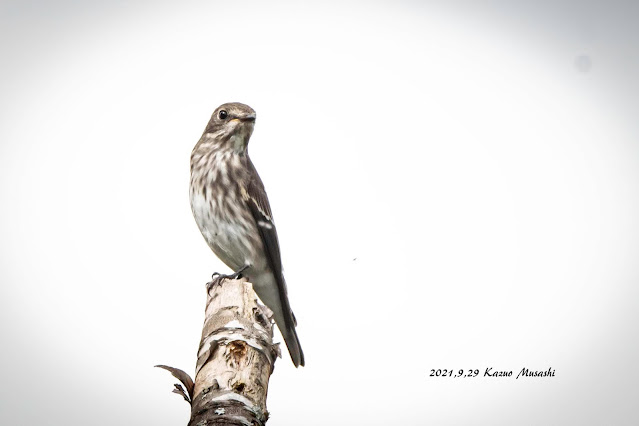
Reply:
x=492, y=372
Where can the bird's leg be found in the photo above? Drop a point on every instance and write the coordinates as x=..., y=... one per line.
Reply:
x=235, y=275
x=217, y=278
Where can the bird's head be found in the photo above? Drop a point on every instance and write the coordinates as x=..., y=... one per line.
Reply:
x=232, y=123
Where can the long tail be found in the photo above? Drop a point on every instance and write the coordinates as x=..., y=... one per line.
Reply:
x=286, y=322
x=292, y=341
x=273, y=295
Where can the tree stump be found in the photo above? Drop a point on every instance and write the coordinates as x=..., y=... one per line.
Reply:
x=235, y=359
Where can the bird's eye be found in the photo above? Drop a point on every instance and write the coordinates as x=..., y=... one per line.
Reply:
x=223, y=114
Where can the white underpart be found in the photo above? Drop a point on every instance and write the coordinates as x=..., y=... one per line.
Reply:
x=226, y=232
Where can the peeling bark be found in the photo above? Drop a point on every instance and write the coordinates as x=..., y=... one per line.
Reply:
x=235, y=359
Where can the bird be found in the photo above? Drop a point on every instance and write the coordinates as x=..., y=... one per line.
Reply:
x=232, y=211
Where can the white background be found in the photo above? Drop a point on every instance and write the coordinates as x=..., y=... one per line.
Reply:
x=455, y=186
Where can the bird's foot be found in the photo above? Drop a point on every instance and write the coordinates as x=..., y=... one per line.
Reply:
x=217, y=278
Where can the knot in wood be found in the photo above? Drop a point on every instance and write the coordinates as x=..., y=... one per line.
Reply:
x=238, y=350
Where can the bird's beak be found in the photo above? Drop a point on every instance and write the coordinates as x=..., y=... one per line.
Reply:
x=250, y=118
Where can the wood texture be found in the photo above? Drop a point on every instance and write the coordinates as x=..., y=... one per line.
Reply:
x=235, y=359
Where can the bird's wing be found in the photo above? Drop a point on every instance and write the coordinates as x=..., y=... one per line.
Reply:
x=255, y=196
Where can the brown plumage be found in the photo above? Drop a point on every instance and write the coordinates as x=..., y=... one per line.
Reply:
x=232, y=211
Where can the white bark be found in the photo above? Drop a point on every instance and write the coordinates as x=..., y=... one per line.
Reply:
x=235, y=359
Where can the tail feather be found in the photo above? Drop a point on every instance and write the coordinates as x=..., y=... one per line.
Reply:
x=277, y=300
x=293, y=345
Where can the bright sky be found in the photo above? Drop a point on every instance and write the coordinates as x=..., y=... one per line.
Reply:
x=454, y=187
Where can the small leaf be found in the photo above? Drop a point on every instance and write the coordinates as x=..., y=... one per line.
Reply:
x=180, y=391
x=182, y=377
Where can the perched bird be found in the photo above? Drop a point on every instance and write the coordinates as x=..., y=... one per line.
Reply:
x=231, y=209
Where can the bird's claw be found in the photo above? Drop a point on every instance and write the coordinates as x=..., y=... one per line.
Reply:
x=217, y=278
